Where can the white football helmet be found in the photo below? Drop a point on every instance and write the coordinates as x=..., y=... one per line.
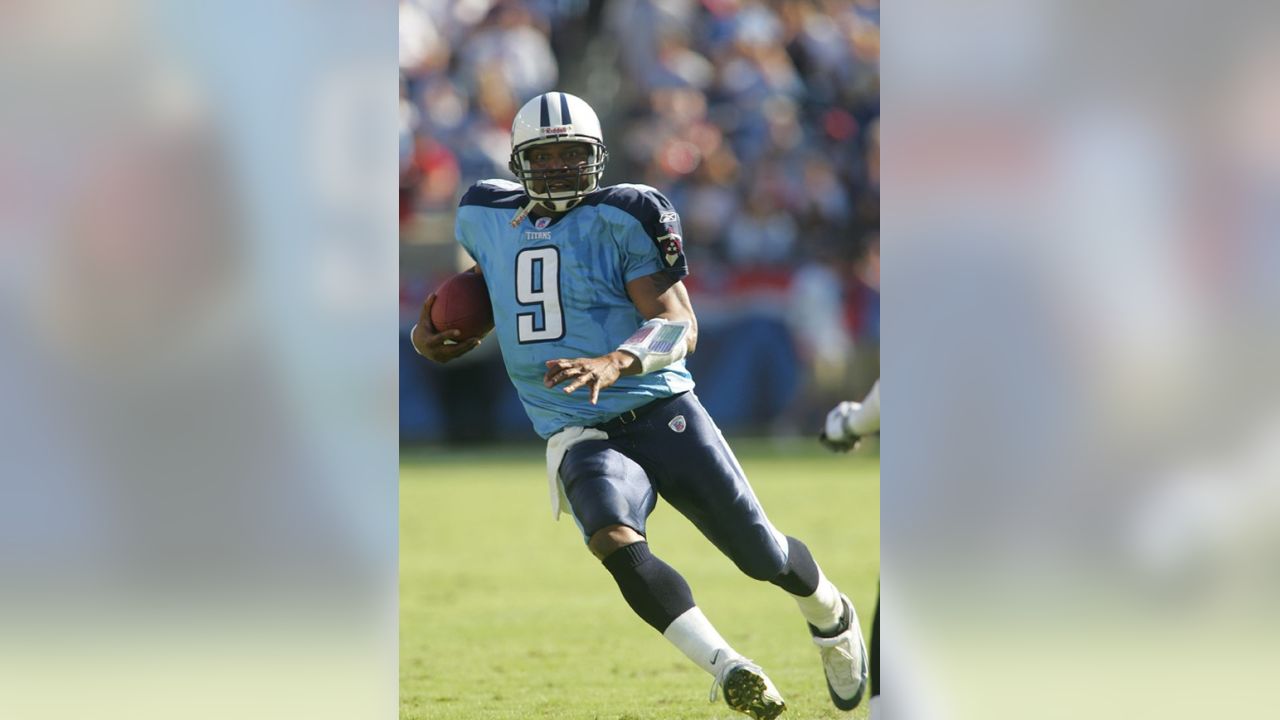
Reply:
x=551, y=118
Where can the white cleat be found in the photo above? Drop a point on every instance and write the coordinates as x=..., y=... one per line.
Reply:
x=844, y=659
x=748, y=690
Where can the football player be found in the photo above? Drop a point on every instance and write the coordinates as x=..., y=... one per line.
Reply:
x=846, y=425
x=594, y=325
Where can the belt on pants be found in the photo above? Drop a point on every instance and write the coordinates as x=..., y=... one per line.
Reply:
x=631, y=416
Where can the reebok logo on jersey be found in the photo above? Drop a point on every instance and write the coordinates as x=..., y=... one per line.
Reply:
x=667, y=217
x=677, y=423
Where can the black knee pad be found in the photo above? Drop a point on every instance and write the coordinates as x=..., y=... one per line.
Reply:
x=653, y=589
x=801, y=575
x=761, y=568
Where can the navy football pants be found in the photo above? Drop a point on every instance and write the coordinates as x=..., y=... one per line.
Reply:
x=675, y=452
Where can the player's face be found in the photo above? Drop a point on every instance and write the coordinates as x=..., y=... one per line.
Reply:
x=558, y=166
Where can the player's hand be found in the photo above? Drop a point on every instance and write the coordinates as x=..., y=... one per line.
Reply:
x=440, y=347
x=836, y=435
x=596, y=373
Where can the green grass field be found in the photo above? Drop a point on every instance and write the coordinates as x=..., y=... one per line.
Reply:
x=504, y=613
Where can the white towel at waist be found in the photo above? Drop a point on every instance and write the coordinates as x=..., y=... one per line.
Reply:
x=557, y=446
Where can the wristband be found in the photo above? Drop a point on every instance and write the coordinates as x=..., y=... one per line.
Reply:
x=658, y=343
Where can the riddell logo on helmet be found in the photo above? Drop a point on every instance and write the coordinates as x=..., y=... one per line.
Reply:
x=557, y=130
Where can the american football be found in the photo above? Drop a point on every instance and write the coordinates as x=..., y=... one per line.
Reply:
x=775, y=205
x=462, y=303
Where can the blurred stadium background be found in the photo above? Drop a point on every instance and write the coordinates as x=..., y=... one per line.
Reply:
x=760, y=120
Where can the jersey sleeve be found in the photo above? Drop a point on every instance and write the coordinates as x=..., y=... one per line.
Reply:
x=469, y=227
x=654, y=243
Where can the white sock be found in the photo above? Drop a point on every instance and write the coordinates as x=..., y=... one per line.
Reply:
x=873, y=708
x=823, y=609
x=694, y=635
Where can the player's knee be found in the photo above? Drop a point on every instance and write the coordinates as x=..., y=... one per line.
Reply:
x=761, y=565
x=610, y=538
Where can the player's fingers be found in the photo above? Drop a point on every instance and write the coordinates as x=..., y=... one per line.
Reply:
x=556, y=368
x=553, y=369
x=462, y=348
x=582, y=380
x=424, y=317
x=443, y=339
x=595, y=392
x=556, y=376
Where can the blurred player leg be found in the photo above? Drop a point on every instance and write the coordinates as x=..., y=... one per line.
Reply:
x=875, y=662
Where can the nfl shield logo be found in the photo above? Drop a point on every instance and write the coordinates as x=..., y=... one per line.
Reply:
x=542, y=222
x=677, y=423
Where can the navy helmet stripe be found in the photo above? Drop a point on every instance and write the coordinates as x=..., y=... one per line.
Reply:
x=546, y=111
x=564, y=110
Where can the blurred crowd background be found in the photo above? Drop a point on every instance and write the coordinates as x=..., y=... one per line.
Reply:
x=759, y=120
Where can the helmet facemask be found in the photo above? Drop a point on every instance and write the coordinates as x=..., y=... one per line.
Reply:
x=583, y=179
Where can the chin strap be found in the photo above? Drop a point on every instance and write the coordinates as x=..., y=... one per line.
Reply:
x=524, y=212
x=549, y=205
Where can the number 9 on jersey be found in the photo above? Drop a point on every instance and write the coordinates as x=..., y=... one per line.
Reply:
x=538, y=283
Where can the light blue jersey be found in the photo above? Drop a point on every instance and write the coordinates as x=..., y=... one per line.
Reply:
x=559, y=290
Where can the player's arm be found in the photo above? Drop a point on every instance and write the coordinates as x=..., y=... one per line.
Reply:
x=661, y=296
x=669, y=333
x=439, y=347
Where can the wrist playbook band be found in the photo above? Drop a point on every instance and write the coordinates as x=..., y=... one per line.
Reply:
x=658, y=343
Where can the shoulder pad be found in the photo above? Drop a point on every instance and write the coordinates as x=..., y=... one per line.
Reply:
x=641, y=201
x=655, y=214
x=494, y=194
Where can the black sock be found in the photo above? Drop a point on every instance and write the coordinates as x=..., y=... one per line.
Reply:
x=875, y=650
x=653, y=589
x=800, y=576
